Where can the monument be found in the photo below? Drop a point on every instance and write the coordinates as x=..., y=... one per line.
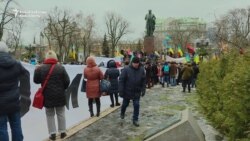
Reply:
x=149, y=38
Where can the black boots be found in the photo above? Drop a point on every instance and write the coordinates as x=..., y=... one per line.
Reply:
x=98, y=106
x=112, y=100
x=136, y=123
x=52, y=137
x=63, y=135
x=91, y=110
x=122, y=115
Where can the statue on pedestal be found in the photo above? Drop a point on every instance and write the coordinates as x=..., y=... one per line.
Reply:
x=150, y=23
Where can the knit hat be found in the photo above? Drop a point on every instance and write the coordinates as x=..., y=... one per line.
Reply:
x=3, y=47
x=51, y=54
x=136, y=60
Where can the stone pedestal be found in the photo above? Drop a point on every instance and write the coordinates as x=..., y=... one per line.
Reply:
x=187, y=129
x=149, y=46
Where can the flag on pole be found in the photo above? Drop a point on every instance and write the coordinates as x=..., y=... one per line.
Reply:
x=171, y=50
x=187, y=57
x=196, y=58
x=180, y=51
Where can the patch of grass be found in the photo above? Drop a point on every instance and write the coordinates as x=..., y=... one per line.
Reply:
x=136, y=138
x=173, y=107
x=192, y=99
x=164, y=97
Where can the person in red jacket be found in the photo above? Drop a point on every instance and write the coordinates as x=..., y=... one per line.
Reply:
x=93, y=74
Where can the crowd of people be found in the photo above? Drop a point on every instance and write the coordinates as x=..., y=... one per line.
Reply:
x=171, y=74
x=129, y=83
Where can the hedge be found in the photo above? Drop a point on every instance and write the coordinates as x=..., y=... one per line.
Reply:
x=223, y=88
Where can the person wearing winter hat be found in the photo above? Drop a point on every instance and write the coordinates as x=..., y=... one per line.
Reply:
x=54, y=93
x=132, y=85
x=15, y=94
x=93, y=74
x=112, y=74
x=51, y=55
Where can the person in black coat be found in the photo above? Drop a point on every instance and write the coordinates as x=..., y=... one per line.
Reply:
x=132, y=85
x=194, y=77
x=112, y=74
x=149, y=74
x=54, y=93
x=14, y=94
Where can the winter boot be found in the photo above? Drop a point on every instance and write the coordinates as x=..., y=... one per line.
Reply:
x=136, y=123
x=52, y=137
x=116, y=100
x=122, y=115
x=184, y=89
x=98, y=106
x=63, y=135
x=112, y=100
x=91, y=110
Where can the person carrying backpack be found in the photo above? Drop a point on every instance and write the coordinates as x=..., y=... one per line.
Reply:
x=165, y=70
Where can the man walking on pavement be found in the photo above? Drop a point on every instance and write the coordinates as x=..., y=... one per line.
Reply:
x=132, y=84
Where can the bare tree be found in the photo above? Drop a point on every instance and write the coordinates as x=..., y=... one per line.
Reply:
x=117, y=27
x=14, y=33
x=234, y=28
x=86, y=25
x=182, y=35
x=59, y=26
x=6, y=17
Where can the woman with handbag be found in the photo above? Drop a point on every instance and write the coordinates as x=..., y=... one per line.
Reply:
x=93, y=74
x=112, y=74
x=54, y=93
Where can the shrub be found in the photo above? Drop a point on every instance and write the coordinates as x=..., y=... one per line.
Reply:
x=223, y=88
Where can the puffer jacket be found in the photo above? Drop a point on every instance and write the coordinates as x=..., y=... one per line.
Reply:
x=54, y=92
x=93, y=74
x=12, y=72
x=132, y=82
x=112, y=74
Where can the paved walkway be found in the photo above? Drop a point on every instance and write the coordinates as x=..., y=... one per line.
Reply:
x=157, y=106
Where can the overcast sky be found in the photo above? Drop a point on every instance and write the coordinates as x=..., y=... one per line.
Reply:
x=133, y=11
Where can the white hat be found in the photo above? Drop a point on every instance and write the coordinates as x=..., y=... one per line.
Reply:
x=51, y=54
x=3, y=47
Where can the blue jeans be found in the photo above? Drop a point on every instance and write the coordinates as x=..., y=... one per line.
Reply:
x=172, y=81
x=166, y=79
x=15, y=125
x=136, y=104
x=193, y=82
